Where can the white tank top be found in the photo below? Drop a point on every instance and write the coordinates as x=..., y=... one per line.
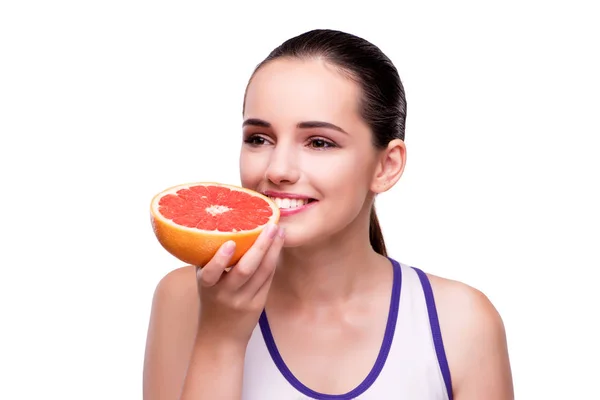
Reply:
x=411, y=363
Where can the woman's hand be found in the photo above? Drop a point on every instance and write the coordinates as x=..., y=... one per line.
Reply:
x=231, y=302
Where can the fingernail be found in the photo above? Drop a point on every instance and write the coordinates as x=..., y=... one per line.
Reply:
x=228, y=248
x=281, y=232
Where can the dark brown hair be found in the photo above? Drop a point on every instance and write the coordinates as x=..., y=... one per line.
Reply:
x=383, y=102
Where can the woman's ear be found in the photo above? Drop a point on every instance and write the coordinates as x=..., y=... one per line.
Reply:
x=390, y=166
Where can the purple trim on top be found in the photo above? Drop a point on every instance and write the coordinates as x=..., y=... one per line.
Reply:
x=435, y=330
x=377, y=367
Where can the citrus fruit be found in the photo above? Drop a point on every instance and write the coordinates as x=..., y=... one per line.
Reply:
x=191, y=221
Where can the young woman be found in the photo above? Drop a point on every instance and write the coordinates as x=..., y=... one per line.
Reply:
x=316, y=309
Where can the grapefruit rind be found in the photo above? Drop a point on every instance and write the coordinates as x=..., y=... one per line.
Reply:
x=196, y=246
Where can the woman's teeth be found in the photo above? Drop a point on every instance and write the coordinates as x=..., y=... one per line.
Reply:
x=289, y=203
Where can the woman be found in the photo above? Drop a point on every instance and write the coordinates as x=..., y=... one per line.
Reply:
x=316, y=309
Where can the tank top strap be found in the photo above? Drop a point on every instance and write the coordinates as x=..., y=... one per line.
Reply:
x=411, y=362
x=436, y=333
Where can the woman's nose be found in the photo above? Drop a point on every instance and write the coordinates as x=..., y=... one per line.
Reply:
x=282, y=166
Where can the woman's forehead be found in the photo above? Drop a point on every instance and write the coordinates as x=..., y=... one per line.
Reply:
x=301, y=90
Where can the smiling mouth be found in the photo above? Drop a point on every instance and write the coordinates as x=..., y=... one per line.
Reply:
x=290, y=204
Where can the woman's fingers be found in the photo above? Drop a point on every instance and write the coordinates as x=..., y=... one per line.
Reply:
x=262, y=276
x=210, y=274
x=243, y=271
x=251, y=260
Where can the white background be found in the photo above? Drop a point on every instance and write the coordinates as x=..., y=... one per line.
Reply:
x=104, y=104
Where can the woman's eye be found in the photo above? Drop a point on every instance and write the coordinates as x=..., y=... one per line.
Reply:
x=255, y=140
x=321, y=143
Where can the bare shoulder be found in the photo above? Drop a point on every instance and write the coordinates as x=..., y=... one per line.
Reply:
x=178, y=286
x=467, y=305
x=171, y=333
x=176, y=301
x=176, y=298
x=474, y=339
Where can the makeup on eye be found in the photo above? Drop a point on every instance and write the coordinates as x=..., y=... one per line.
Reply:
x=323, y=143
x=255, y=140
x=315, y=142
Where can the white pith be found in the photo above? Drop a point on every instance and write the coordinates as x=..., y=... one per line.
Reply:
x=216, y=210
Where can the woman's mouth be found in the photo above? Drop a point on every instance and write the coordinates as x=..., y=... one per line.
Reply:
x=287, y=203
x=292, y=205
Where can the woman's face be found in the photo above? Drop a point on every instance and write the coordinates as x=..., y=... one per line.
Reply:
x=306, y=146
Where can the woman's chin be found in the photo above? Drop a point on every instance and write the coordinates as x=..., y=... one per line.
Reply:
x=295, y=239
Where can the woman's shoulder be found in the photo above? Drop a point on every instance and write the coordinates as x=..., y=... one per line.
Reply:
x=474, y=335
x=464, y=302
x=177, y=286
x=176, y=302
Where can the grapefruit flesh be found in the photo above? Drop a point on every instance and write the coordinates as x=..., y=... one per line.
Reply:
x=191, y=221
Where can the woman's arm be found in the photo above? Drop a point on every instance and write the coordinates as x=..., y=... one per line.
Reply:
x=179, y=361
x=202, y=320
x=475, y=342
x=215, y=371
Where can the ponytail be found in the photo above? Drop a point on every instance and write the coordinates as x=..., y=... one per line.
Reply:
x=376, y=235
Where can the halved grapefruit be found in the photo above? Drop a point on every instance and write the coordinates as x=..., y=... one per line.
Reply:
x=191, y=221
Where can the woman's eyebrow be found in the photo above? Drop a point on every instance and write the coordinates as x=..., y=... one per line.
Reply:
x=256, y=122
x=302, y=125
x=320, y=124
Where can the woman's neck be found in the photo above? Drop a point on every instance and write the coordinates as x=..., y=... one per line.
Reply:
x=330, y=273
